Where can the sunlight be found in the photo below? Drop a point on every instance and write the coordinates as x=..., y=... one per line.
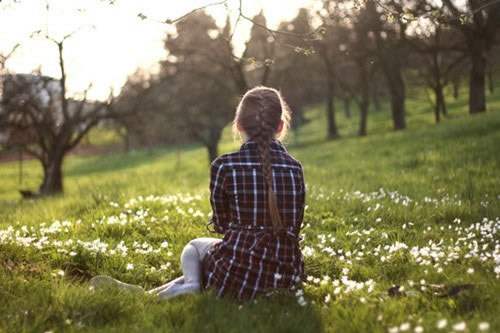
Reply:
x=115, y=41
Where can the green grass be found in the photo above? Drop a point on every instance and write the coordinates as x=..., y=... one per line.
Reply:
x=394, y=196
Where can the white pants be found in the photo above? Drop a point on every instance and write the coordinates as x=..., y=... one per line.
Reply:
x=191, y=258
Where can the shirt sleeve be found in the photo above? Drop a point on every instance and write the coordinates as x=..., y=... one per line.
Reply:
x=218, y=197
x=302, y=199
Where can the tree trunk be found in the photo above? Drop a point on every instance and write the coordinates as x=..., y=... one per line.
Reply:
x=347, y=106
x=365, y=98
x=52, y=175
x=437, y=105
x=392, y=71
x=444, y=109
x=330, y=110
x=376, y=98
x=397, y=92
x=212, y=151
x=491, y=82
x=456, y=87
x=363, y=113
x=477, y=98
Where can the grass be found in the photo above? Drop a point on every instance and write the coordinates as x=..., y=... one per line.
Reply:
x=392, y=208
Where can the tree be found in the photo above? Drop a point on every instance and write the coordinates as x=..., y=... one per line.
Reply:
x=295, y=66
x=200, y=98
x=390, y=39
x=142, y=102
x=40, y=106
x=479, y=31
x=259, y=51
x=437, y=55
x=326, y=51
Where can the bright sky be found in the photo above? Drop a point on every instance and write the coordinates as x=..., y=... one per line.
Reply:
x=118, y=44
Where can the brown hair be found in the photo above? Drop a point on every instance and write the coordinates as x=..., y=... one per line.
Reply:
x=259, y=114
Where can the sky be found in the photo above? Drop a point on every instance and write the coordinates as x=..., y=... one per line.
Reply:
x=111, y=41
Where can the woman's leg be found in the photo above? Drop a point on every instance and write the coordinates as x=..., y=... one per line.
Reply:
x=156, y=290
x=191, y=258
x=104, y=281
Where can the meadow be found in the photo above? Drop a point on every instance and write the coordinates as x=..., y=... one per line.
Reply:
x=393, y=221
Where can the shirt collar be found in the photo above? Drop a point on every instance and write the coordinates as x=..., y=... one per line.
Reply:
x=251, y=144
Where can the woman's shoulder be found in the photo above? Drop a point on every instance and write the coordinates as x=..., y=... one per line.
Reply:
x=290, y=161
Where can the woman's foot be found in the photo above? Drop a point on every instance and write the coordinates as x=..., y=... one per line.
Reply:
x=179, y=289
x=104, y=281
x=155, y=291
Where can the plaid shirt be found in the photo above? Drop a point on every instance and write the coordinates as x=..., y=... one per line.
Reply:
x=251, y=258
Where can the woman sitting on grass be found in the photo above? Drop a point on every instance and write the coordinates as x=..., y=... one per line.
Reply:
x=257, y=197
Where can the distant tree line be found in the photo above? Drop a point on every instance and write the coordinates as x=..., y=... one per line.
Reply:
x=358, y=52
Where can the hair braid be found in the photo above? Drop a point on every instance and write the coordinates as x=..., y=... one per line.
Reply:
x=263, y=140
x=260, y=113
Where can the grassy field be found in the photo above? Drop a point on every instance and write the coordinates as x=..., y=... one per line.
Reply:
x=414, y=209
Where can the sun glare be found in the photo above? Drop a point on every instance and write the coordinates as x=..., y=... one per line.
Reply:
x=112, y=40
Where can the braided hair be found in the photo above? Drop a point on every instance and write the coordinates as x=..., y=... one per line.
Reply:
x=260, y=112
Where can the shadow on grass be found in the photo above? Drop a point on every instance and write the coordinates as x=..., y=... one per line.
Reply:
x=281, y=313
x=121, y=160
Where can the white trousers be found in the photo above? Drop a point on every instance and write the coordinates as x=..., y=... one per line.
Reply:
x=191, y=258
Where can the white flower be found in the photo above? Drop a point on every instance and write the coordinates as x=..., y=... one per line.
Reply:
x=362, y=300
x=60, y=272
x=277, y=276
x=328, y=298
x=404, y=327
x=470, y=270
x=418, y=329
x=461, y=326
x=68, y=321
x=394, y=329
x=164, y=244
x=442, y=323
x=130, y=267
x=301, y=301
x=483, y=326
x=72, y=253
x=299, y=292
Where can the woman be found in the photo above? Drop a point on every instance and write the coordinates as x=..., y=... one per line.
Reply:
x=257, y=197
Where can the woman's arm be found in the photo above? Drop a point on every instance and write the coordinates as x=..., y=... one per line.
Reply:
x=218, y=197
x=302, y=200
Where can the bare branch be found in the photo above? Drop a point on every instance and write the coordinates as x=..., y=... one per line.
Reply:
x=4, y=58
x=172, y=21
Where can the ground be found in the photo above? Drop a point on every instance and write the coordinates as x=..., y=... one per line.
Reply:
x=413, y=209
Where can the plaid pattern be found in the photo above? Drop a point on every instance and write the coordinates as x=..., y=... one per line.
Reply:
x=251, y=258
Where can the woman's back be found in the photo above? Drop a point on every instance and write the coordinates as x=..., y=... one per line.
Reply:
x=238, y=176
x=253, y=257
